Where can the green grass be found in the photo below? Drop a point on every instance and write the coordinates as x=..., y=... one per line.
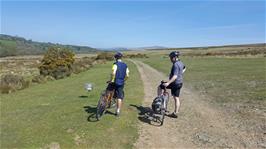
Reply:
x=7, y=43
x=59, y=111
x=7, y=48
x=223, y=79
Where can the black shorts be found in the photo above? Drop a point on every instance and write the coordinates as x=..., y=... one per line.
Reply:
x=119, y=90
x=175, y=89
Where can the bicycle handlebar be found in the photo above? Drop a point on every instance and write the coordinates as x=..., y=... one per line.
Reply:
x=162, y=86
x=162, y=82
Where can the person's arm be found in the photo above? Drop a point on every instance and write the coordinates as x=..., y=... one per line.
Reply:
x=184, y=69
x=127, y=74
x=114, y=68
x=171, y=80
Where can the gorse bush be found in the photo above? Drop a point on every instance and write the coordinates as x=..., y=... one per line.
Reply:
x=109, y=56
x=10, y=83
x=42, y=79
x=38, y=79
x=105, y=56
x=57, y=62
x=82, y=64
x=138, y=55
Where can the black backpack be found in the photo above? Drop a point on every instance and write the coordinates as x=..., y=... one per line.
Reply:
x=157, y=104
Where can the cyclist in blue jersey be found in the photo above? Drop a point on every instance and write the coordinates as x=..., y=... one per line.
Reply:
x=120, y=73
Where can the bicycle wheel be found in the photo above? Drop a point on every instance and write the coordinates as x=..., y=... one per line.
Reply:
x=162, y=115
x=101, y=107
x=164, y=108
x=166, y=97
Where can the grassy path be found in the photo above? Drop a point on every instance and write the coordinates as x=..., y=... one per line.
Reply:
x=60, y=114
x=240, y=79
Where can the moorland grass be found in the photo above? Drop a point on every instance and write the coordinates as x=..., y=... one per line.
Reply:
x=62, y=112
x=222, y=78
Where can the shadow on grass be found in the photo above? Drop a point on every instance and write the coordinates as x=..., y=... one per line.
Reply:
x=145, y=114
x=83, y=96
x=92, y=111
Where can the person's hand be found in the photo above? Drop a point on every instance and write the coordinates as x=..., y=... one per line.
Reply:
x=166, y=84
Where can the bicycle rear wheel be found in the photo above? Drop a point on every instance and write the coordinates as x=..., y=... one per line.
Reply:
x=101, y=107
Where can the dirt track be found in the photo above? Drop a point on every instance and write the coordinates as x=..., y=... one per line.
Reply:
x=199, y=125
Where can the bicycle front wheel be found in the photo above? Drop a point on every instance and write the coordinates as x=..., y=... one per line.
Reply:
x=165, y=104
x=101, y=107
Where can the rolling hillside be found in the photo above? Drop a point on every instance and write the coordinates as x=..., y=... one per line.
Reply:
x=12, y=46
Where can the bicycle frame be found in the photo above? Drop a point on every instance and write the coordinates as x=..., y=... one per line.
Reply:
x=166, y=101
x=165, y=93
x=105, y=101
x=109, y=95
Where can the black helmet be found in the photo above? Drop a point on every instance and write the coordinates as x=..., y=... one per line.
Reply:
x=174, y=54
x=118, y=55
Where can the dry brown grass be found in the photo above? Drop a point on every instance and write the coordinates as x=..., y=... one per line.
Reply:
x=27, y=68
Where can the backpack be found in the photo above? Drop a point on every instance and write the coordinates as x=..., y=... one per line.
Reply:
x=157, y=104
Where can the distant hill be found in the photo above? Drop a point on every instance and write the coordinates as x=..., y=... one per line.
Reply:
x=149, y=48
x=130, y=49
x=114, y=49
x=13, y=45
x=212, y=47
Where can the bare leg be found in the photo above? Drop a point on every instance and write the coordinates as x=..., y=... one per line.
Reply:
x=119, y=105
x=177, y=104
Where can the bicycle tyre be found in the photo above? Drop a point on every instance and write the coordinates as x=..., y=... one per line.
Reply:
x=163, y=112
x=167, y=97
x=101, y=107
x=163, y=115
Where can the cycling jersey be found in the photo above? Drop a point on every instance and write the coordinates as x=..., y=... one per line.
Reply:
x=177, y=69
x=120, y=71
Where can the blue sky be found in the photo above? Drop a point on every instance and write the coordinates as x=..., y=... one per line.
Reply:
x=105, y=24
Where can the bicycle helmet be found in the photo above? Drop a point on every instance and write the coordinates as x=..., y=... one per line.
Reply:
x=174, y=54
x=118, y=55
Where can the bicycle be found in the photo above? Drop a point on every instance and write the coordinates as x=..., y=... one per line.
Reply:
x=107, y=100
x=159, y=107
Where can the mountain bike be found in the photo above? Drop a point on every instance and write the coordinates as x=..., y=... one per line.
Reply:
x=107, y=100
x=159, y=105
